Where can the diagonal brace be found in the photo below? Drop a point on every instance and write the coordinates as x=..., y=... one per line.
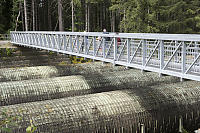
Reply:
x=154, y=50
x=192, y=64
x=136, y=51
x=172, y=55
x=122, y=50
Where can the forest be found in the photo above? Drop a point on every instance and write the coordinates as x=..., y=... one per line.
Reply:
x=144, y=16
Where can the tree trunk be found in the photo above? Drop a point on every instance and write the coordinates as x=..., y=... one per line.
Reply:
x=101, y=17
x=125, y=21
x=36, y=17
x=113, y=21
x=60, y=16
x=17, y=20
x=22, y=12
x=88, y=11
x=33, y=13
x=49, y=16
x=86, y=17
x=97, y=17
x=25, y=15
x=72, y=16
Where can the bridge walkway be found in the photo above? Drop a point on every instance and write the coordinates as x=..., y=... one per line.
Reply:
x=171, y=54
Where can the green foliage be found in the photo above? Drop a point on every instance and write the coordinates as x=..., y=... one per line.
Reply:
x=31, y=128
x=9, y=51
x=77, y=60
x=170, y=16
x=163, y=16
x=77, y=3
x=6, y=52
x=184, y=131
x=7, y=121
x=51, y=52
x=63, y=63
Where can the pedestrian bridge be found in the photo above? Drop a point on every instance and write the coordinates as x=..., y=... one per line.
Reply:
x=171, y=54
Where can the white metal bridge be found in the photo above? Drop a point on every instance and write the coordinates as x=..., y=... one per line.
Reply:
x=170, y=54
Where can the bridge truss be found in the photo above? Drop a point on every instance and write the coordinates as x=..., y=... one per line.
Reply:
x=170, y=54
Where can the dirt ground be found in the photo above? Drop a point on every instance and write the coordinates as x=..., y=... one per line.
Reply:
x=6, y=44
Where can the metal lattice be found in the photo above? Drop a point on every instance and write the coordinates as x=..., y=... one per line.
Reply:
x=42, y=89
x=24, y=73
x=157, y=107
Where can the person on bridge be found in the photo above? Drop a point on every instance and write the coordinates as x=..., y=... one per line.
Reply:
x=107, y=39
x=105, y=32
x=118, y=42
x=118, y=39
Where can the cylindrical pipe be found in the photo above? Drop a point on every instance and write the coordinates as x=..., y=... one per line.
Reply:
x=43, y=89
x=157, y=107
x=24, y=73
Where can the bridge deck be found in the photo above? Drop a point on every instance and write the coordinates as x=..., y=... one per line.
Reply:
x=171, y=54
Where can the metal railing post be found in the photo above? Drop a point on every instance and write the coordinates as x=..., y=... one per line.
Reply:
x=77, y=44
x=70, y=43
x=104, y=47
x=85, y=44
x=21, y=37
x=48, y=40
x=94, y=46
x=161, y=56
x=183, y=58
x=144, y=51
x=128, y=50
x=180, y=125
x=142, y=128
x=58, y=43
x=176, y=56
x=195, y=49
x=65, y=43
x=115, y=50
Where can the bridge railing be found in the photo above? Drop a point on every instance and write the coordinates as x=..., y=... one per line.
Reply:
x=171, y=54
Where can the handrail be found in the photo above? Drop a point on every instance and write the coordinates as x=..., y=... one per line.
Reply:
x=158, y=36
x=176, y=54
